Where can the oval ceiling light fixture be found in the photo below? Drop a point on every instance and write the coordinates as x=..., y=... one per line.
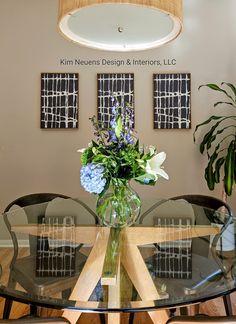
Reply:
x=118, y=25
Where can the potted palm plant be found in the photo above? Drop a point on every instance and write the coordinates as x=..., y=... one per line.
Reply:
x=219, y=140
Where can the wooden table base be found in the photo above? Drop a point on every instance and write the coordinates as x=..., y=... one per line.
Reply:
x=113, y=248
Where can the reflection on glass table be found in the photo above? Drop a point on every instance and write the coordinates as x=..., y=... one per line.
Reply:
x=139, y=268
x=197, y=213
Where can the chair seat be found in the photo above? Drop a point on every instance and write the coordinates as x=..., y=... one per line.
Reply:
x=35, y=208
x=25, y=274
x=200, y=269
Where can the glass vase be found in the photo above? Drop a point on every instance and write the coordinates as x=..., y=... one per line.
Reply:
x=119, y=205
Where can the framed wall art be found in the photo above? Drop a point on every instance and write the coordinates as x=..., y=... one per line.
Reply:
x=59, y=100
x=108, y=84
x=172, y=100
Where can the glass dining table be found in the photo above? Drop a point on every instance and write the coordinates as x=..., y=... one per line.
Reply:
x=176, y=254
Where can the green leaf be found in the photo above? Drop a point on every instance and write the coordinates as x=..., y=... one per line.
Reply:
x=212, y=86
x=215, y=87
x=101, y=209
x=218, y=140
x=95, y=151
x=86, y=156
x=235, y=168
x=137, y=145
x=231, y=86
x=94, y=144
x=206, y=122
x=229, y=169
x=224, y=102
x=209, y=173
x=113, y=163
x=141, y=179
x=99, y=158
x=208, y=136
x=212, y=139
x=218, y=166
x=118, y=128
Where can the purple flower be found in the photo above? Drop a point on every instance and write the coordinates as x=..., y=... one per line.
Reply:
x=129, y=139
x=113, y=123
x=112, y=136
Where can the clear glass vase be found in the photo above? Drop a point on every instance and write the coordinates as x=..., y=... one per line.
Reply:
x=119, y=205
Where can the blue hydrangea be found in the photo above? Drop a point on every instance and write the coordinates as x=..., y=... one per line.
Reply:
x=91, y=178
x=146, y=181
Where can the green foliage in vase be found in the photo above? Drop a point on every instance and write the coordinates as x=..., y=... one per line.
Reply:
x=219, y=141
x=116, y=155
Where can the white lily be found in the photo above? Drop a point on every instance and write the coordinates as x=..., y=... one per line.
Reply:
x=81, y=150
x=90, y=144
x=154, y=166
x=152, y=149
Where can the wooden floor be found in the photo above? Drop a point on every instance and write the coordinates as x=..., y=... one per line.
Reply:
x=213, y=307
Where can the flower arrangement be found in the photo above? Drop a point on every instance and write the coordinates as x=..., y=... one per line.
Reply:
x=112, y=160
x=117, y=154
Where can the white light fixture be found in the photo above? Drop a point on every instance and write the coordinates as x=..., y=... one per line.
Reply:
x=120, y=25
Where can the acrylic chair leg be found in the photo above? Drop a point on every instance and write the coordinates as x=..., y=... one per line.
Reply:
x=190, y=310
x=33, y=310
x=132, y=314
x=7, y=308
x=102, y=318
x=228, y=305
x=183, y=310
x=172, y=312
x=8, y=302
x=131, y=318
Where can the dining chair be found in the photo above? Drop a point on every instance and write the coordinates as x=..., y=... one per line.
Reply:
x=23, y=270
x=162, y=210
x=215, y=204
x=202, y=319
x=35, y=320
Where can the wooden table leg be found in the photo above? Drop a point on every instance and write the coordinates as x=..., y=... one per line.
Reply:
x=90, y=274
x=113, y=318
x=141, y=279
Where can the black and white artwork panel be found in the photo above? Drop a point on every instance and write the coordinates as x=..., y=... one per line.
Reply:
x=109, y=85
x=55, y=256
x=172, y=100
x=59, y=100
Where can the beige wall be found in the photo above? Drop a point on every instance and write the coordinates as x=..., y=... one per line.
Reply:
x=35, y=160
